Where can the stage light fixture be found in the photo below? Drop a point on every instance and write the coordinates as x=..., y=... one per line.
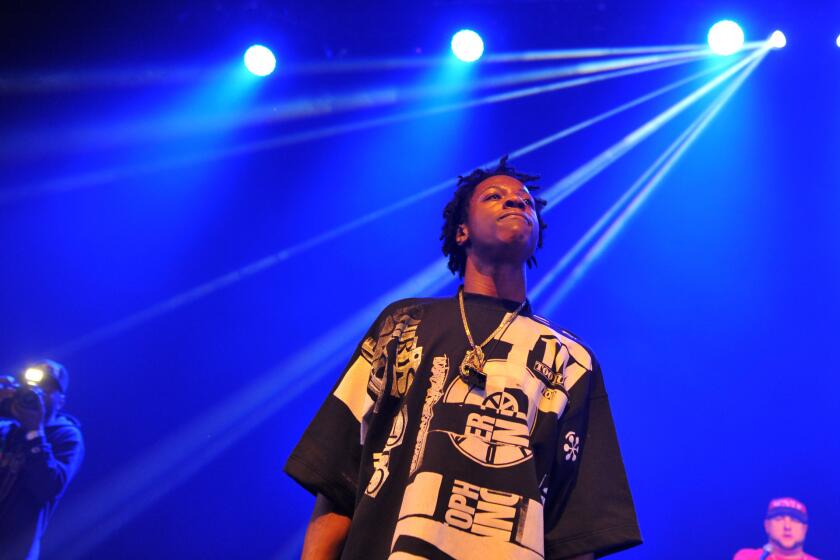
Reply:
x=777, y=40
x=260, y=61
x=467, y=45
x=726, y=37
x=837, y=41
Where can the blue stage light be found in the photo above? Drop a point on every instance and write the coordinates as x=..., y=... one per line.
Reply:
x=467, y=45
x=259, y=60
x=726, y=37
x=777, y=40
x=837, y=41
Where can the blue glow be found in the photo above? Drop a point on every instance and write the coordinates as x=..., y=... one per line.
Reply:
x=726, y=37
x=566, y=186
x=261, y=265
x=601, y=71
x=467, y=45
x=260, y=61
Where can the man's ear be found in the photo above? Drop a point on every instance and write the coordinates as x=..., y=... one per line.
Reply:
x=462, y=235
x=59, y=400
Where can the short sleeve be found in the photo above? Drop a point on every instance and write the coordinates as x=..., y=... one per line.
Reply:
x=594, y=512
x=327, y=458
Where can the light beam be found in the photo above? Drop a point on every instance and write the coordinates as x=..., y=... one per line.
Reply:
x=144, y=130
x=639, y=191
x=93, y=517
x=371, y=65
x=95, y=178
x=41, y=82
x=231, y=278
x=569, y=184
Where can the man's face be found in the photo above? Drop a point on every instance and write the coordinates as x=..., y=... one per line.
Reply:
x=53, y=401
x=501, y=221
x=786, y=532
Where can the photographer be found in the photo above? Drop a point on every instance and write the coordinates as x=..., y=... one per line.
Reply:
x=40, y=451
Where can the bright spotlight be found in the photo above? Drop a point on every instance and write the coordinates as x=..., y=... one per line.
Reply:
x=726, y=37
x=33, y=375
x=259, y=60
x=777, y=40
x=467, y=45
x=837, y=41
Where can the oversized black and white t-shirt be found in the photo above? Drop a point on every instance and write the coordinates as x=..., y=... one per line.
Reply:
x=522, y=465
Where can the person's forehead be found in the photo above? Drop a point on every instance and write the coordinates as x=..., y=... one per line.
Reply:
x=502, y=181
x=782, y=517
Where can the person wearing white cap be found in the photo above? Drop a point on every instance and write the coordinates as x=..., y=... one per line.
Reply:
x=786, y=525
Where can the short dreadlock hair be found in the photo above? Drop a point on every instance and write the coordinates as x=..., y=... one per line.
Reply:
x=456, y=211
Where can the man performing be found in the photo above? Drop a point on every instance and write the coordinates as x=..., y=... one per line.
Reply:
x=786, y=525
x=40, y=451
x=468, y=427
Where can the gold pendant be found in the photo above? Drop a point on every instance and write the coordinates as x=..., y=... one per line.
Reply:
x=473, y=360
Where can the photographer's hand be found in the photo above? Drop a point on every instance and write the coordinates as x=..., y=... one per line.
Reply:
x=31, y=418
x=7, y=387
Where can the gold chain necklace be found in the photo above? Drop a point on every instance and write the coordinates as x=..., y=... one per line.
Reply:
x=474, y=360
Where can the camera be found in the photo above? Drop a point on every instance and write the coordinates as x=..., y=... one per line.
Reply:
x=21, y=396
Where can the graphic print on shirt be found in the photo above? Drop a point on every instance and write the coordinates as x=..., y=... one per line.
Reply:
x=435, y=499
x=493, y=424
x=571, y=446
x=572, y=362
x=483, y=511
x=497, y=422
x=440, y=371
x=445, y=516
x=396, y=356
x=381, y=460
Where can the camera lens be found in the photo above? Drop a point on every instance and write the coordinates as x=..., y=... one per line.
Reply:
x=28, y=397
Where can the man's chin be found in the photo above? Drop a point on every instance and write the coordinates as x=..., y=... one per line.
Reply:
x=515, y=248
x=788, y=545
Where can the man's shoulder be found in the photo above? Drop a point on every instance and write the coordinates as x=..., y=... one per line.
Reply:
x=577, y=347
x=400, y=310
x=413, y=304
x=65, y=427
x=748, y=554
x=756, y=553
x=560, y=331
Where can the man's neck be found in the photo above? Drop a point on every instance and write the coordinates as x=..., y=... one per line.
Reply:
x=496, y=280
x=779, y=552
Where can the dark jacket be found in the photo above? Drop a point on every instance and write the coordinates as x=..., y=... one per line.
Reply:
x=33, y=476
